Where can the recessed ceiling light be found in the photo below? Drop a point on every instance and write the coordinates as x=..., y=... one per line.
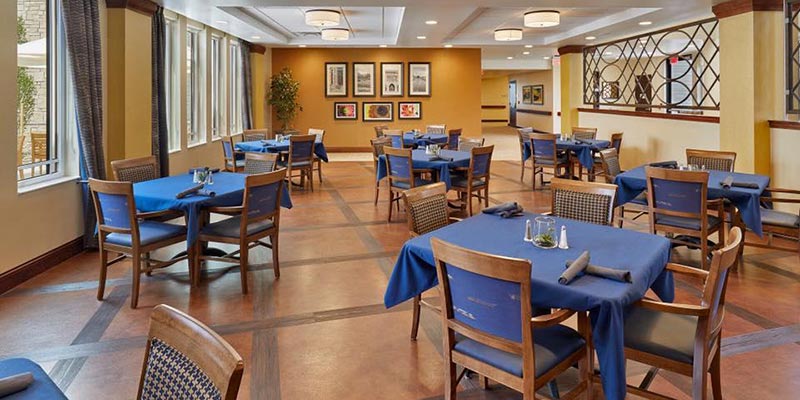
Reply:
x=431, y=22
x=590, y=38
x=546, y=57
x=645, y=23
x=509, y=58
x=301, y=45
x=448, y=46
x=382, y=45
x=255, y=37
x=528, y=46
x=526, y=53
x=422, y=37
x=221, y=22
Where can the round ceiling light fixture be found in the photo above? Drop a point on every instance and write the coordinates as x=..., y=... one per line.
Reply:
x=335, y=34
x=542, y=19
x=507, y=34
x=322, y=17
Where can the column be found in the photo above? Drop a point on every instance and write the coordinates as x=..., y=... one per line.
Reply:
x=571, y=58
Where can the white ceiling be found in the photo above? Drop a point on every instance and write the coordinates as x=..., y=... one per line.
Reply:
x=462, y=23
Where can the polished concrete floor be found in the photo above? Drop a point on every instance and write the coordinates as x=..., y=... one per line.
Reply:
x=322, y=332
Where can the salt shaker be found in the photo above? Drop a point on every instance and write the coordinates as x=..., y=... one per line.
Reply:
x=196, y=177
x=210, y=178
x=528, y=231
x=562, y=242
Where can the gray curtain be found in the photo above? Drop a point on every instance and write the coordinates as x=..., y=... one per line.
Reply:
x=159, y=133
x=247, y=87
x=82, y=30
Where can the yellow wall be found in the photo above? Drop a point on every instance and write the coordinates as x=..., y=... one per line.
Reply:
x=494, y=92
x=455, y=89
x=785, y=162
x=571, y=89
x=540, y=122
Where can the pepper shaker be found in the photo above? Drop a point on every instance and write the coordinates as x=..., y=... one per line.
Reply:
x=528, y=231
x=562, y=242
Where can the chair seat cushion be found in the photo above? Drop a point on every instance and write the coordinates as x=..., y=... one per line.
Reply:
x=239, y=163
x=229, y=228
x=295, y=164
x=641, y=199
x=686, y=223
x=417, y=183
x=661, y=333
x=149, y=232
x=551, y=345
x=544, y=161
x=779, y=218
x=461, y=181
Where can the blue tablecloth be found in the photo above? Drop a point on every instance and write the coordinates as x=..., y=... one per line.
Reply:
x=584, y=151
x=643, y=254
x=429, y=138
x=42, y=388
x=633, y=182
x=421, y=160
x=273, y=146
x=159, y=194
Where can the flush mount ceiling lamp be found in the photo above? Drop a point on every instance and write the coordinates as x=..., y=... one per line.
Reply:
x=335, y=34
x=322, y=18
x=507, y=34
x=542, y=19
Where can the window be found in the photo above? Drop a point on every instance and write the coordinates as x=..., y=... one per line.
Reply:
x=217, y=88
x=44, y=101
x=172, y=83
x=235, y=90
x=194, y=87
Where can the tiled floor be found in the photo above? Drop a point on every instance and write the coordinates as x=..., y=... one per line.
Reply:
x=321, y=331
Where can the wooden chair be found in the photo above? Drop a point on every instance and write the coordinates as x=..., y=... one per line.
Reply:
x=498, y=336
x=524, y=137
x=609, y=160
x=377, y=151
x=401, y=174
x=186, y=359
x=379, y=130
x=122, y=230
x=583, y=201
x=396, y=135
x=598, y=170
x=678, y=205
x=475, y=183
x=320, y=137
x=453, y=137
x=260, y=163
x=684, y=338
x=712, y=159
x=20, y=161
x=234, y=160
x=252, y=135
x=436, y=129
x=616, y=141
x=257, y=218
x=135, y=169
x=300, y=159
x=469, y=144
x=545, y=154
x=774, y=222
x=39, y=151
x=584, y=133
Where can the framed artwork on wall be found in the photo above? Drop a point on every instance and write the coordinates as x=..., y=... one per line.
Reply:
x=348, y=110
x=391, y=79
x=336, y=79
x=377, y=111
x=527, y=94
x=364, y=79
x=537, y=95
x=409, y=110
x=419, y=79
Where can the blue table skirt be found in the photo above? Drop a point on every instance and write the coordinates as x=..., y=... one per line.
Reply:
x=422, y=161
x=273, y=146
x=584, y=152
x=643, y=254
x=429, y=138
x=633, y=182
x=42, y=388
x=159, y=194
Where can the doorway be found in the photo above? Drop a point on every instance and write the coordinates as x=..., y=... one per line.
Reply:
x=512, y=103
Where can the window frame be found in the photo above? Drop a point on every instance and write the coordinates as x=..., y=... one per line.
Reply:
x=172, y=82
x=195, y=85
x=217, y=81
x=234, y=89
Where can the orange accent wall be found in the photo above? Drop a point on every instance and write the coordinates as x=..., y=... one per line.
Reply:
x=455, y=90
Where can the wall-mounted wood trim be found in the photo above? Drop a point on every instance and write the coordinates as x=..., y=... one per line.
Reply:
x=257, y=48
x=736, y=7
x=792, y=125
x=346, y=149
x=21, y=273
x=571, y=49
x=643, y=114
x=505, y=121
x=145, y=7
x=493, y=107
x=535, y=112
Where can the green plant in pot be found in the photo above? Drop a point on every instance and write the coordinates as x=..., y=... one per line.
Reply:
x=282, y=97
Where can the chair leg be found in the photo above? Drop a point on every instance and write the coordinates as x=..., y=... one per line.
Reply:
x=391, y=197
x=486, y=197
x=469, y=203
x=137, y=275
x=275, y=265
x=377, y=191
x=101, y=285
x=700, y=379
x=289, y=179
x=319, y=171
x=522, y=172
x=483, y=382
x=415, y=318
x=243, y=264
x=450, y=379
x=716, y=384
x=704, y=253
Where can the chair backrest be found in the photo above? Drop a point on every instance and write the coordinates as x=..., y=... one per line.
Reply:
x=611, y=167
x=399, y=165
x=583, y=201
x=115, y=208
x=712, y=159
x=677, y=193
x=186, y=359
x=523, y=134
x=262, y=197
x=227, y=148
x=135, y=169
x=616, y=141
x=438, y=129
x=319, y=133
x=396, y=135
x=716, y=282
x=544, y=146
x=301, y=148
x=486, y=298
x=453, y=136
x=259, y=163
x=377, y=146
x=480, y=162
x=469, y=144
x=584, y=133
x=426, y=207
x=38, y=146
x=252, y=135
x=379, y=130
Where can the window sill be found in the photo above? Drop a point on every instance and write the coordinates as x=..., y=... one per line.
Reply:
x=28, y=188
x=216, y=139
x=198, y=144
x=174, y=151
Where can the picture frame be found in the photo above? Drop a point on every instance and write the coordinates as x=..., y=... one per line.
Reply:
x=611, y=91
x=391, y=79
x=409, y=110
x=537, y=95
x=419, y=79
x=527, y=94
x=377, y=111
x=335, y=79
x=345, y=110
x=364, y=79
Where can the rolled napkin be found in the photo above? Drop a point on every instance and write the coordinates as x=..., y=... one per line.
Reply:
x=206, y=192
x=505, y=210
x=665, y=164
x=609, y=273
x=746, y=185
x=15, y=383
x=574, y=268
x=193, y=189
x=727, y=182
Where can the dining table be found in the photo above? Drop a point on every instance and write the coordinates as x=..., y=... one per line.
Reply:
x=441, y=164
x=583, y=150
x=42, y=387
x=416, y=139
x=606, y=301
x=747, y=200
x=275, y=146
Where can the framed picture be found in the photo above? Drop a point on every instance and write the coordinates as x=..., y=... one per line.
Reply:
x=527, y=94
x=364, y=79
x=391, y=79
x=377, y=111
x=419, y=79
x=409, y=110
x=345, y=110
x=611, y=91
x=537, y=95
x=335, y=79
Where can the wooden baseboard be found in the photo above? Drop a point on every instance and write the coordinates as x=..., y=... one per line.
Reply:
x=21, y=273
x=345, y=149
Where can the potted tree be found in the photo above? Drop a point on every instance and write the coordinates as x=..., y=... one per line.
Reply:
x=282, y=97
